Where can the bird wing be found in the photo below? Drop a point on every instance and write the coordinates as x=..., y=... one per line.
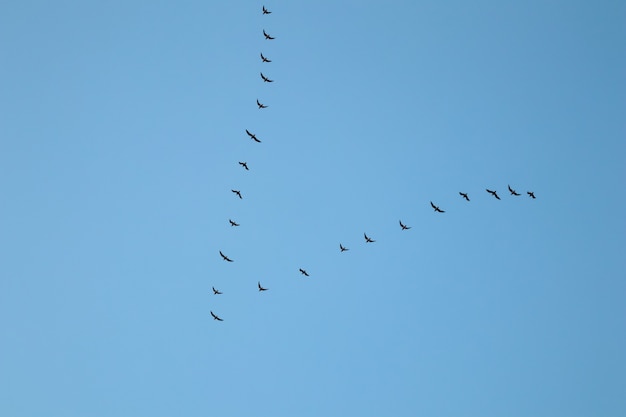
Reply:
x=433, y=206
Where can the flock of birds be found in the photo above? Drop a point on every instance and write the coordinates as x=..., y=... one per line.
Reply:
x=342, y=248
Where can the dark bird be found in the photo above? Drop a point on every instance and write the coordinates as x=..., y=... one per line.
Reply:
x=493, y=193
x=245, y=165
x=237, y=192
x=264, y=59
x=343, y=248
x=267, y=80
x=261, y=105
x=464, y=195
x=530, y=194
x=437, y=209
x=216, y=292
x=226, y=258
x=368, y=239
x=404, y=226
x=512, y=191
x=215, y=317
x=265, y=11
x=261, y=288
x=303, y=272
x=252, y=136
x=232, y=223
x=267, y=36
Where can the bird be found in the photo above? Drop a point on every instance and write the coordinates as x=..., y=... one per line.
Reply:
x=264, y=59
x=215, y=317
x=464, y=195
x=368, y=239
x=267, y=36
x=245, y=165
x=493, y=193
x=404, y=226
x=261, y=105
x=237, y=192
x=303, y=272
x=512, y=191
x=530, y=194
x=437, y=209
x=261, y=288
x=232, y=223
x=267, y=80
x=252, y=136
x=216, y=292
x=226, y=258
x=265, y=11
x=343, y=248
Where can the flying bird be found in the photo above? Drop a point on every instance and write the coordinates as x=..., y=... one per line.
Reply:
x=264, y=59
x=530, y=194
x=245, y=165
x=343, y=248
x=232, y=223
x=267, y=36
x=512, y=191
x=261, y=105
x=464, y=195
x=261, y=288
x=368, y=239
x=303, y=272
x=404, y=226
x=252, y=136
x=237, y=192
x=265, y=11
x=226, y=258
x=493, y=193
x=437, y=209
x=267, y=80
x=216, y=292
x=215, y=317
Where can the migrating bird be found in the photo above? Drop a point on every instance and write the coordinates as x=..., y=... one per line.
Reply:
x=264, y=59
x=252, y=136
x=226, y=258
x=437, y=209
x=216, y=292
x=261, y=105
x=343, y=248
x=512, y=191
x=368, y=239
x=265, y=11
x=530, y=194
x=464, y=195
x=261, y=288
x=245, y=165
x=267, y=80
x=267, y=36
x=237, y=192
x=215, y=317
x=404, y=226
x=232, y=223
x=493, y=193
x=303, y=272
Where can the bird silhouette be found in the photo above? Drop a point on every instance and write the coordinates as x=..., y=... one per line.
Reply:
x=530, y=194
x=265, y=11
x=215, y=317
x=464, y=195
x=404, y=226
x=237, y=192
x=232, y=223
x=245, y=165
x=437, y=209
x=261, y=288
x=512, y=191
x=252, y=136
x=264, y=59
x=226, y=258
x=343, y=248
x=493, y=193
x=267, y=80
x=261, y=105
x=267, y=36
x=216, y=292
x=368, y=239
x=303, y=272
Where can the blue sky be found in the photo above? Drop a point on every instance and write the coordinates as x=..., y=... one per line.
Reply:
x=121, y=128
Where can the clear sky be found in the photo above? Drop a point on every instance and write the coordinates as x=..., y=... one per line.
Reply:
x=121, y=127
